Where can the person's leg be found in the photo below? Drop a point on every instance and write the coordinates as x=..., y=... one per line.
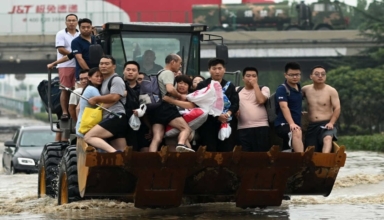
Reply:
x=245, y=138
x=119, y=144
x=328, y=137
x=96, y=136
x=65, y=80
x=158, y=134
x=180, y=124
x=208, y=133
x=261, y=139
x=297, y=141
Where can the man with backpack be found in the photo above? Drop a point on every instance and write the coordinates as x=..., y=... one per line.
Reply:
x=164, y=113
x=253, y=127
x=288, y=101
x=208, y=132
x=111, y=128
x=140, y=139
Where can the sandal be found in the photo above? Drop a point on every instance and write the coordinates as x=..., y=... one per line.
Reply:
x=183, y=148
x=64, y=117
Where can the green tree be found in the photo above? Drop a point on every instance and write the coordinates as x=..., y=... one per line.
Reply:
x=361, y=95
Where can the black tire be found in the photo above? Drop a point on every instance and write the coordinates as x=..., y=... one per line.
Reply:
x=68, y=190
x=49, y=169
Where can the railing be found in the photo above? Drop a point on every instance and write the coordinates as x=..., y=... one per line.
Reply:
x=19, y=106
x=50, y=23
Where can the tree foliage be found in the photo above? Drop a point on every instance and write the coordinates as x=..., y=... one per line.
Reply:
x=361, y=93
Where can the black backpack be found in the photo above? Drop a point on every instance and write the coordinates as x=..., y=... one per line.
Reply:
x=270, y=104
x=42, y=88
x=131, y=101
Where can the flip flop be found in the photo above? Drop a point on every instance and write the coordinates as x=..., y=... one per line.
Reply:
x=64, y=117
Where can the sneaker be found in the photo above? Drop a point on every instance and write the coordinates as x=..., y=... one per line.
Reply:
x=182, y=148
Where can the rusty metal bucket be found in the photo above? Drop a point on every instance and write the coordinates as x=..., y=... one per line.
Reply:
x=167, y=179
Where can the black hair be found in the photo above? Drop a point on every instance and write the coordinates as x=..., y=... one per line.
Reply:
x=171, y=57
x=317, y=66
x=91, y=72
x=250, y=68
x=184, y=78
x=141, y=73
x=132, y=62
x=84, y=71
x=292, y=66
x=214, y=61
x=84, y=20
x=196, y=77
x=110, y=58
x=71, y=15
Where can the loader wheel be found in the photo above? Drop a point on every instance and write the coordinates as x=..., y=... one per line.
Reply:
x=68, y=180
x=49, y=169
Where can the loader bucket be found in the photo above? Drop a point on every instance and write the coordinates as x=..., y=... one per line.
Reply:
x=168, y=179
x=319, y=175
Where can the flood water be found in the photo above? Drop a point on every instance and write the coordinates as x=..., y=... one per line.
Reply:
x=358, y=194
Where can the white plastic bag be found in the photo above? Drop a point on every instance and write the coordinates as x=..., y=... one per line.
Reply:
x=225, y=131
x=134, y=122
x=209, y=98
x=141, y=110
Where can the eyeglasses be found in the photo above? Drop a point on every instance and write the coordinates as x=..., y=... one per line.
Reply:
x=319, y=74
x=294, y=75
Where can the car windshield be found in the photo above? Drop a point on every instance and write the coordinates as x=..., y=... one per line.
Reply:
x=36, y=138
x=150, y=49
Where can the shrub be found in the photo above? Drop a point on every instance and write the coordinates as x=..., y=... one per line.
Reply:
x=363, y=142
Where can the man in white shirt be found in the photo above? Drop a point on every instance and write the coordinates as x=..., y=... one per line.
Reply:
x=74, y=99
x=67, y=69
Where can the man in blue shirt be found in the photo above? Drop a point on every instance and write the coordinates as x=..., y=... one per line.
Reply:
x=80, y=46
x=288, y=99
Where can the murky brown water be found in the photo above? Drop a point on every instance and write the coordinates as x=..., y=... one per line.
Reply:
x=358, y=194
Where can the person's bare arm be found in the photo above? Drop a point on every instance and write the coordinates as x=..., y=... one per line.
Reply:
x=287, y=115
x=182, y=104
x=61, y=60
x=109, y=99
x=81, y=61
x=335, y=101
x=72, y=112
x=260, y=97
x=63, y=51
x=172, y=91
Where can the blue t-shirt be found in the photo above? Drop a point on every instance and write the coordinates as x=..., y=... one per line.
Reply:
x=88, y=93
x=80, y=45
x=294, y=104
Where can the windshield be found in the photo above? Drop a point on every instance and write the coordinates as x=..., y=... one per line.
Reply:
x=36, y=138
x=150, y=49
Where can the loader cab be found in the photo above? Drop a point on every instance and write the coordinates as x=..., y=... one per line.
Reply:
x=150, y=43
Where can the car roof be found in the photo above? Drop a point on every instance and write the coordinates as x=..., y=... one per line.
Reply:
x=35, y=127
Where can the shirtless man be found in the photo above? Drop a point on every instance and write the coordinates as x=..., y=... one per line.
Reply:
x=323, y=111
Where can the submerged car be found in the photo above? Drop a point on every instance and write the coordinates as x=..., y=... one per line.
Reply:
x=22, y=153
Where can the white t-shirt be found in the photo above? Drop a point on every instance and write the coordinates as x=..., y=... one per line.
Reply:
x=64, y=39
x=74, y=99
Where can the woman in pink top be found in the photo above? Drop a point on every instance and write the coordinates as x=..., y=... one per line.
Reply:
x=253, y=128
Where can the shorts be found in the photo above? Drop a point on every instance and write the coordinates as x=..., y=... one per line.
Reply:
x=315, y=135
x=117, y=126
x=283, y=132
x=67, y=76
x=164, y=114
x=254, y=139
